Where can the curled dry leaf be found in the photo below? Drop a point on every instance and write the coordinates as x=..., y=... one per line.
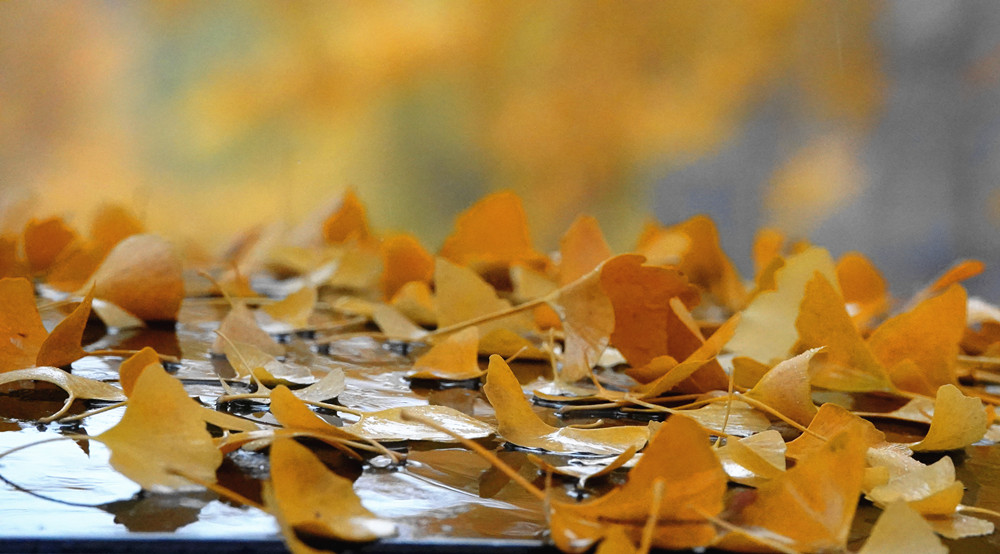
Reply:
x=680, y=456
x=518, y=424
x=454, y=358
x=76, y=387
x=142, y=275
x=958, y=421
x=314, y=500
x=390, y=425
x=162, y=436
x=901, y=530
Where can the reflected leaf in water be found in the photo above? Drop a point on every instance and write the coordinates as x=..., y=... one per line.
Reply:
x=150, y=512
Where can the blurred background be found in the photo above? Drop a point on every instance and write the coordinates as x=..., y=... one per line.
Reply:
x=870, y=126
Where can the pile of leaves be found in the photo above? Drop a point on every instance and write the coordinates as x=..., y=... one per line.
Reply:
x=736, y=413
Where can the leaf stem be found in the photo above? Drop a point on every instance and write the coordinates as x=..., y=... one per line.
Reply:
x=531, y=304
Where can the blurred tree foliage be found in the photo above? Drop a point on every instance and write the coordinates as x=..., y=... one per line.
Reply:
x=223, y=114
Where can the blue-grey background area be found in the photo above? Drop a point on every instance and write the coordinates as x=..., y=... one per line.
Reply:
x=932, y=156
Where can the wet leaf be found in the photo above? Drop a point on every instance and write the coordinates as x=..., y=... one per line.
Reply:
x=76, y=387
x=454, y=358
x=928, y=489
x=518, y=424
x=901, y=530
x=294, y=310
x=694, y=483
x=754, y=460
x=130, y=368
x=588, y=319
x=830, y=420
x=142, y=275
x=161, y=434
x=312, y=499
x=462, y=295
x=813, y=503
x=240, y=327
x=404, y=260
x=389, y=425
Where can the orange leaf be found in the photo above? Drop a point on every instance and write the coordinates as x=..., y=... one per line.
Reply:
x=680, y=456
x=462, y=295
x=294, y=310
x=142, y=275
x=403, y=260
x=20, y=324
x=10, y=263
x=347, y=222
x=707, y=266
x=454, y=358
x=314, y=500
x=45, y=241
x=767, y=333
x=830, y=420
x=240, y=326
x=493, y=232
x=162, y=433
x=111, y=224
x=581, y=249
x=131, y=368
x=640, y=295
x=786, y=388
x=588, y=319
x=518, y=423
x=63, y=346
x=813, y=503
x=928, y=336
x=767, y=246
x=863, y=286
x=846, y=363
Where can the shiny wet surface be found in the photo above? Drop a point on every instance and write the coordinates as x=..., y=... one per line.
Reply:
x=443, y=497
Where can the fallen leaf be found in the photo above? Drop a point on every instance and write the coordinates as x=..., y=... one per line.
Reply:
x=588, y=320
x=161, y=435
x=455, y=358
x=767, y=332
x=928, y=335
x=142, y=275
x=416, y=301
x=640, y=295
x=901, y=530
x=492, y=232
x=240, y=327
x=739, y=419
x=846, y=363
x=813, y=503
x=865, y=290
x=958, y=421
x=389, y=425
x=581, y=249
x=294, y=310
x=680, y=456
x=767, y=247
x=830, y=420
x=396, y=325
x=461, y=295
x=75, y=386
x=928, y=489
x=130, y=368
x=518, y=424
x=20, y=324
x=347, y=222
x=45, y=241
x=786, y=388
x=111, y=224
x=63, y=345
x=754, y=460
x=960, y=526
x=404, y=260
x=314, y=500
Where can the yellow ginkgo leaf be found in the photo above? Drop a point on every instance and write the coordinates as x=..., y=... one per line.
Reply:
x=314, y=500
x=75, y=386
x=518, y=424
x=142, y=275
x=588, y=319
x=581, y=249
x=901, y=530
x=240, y=327
x=786, y=388
x=294, y=310
x=390, y=426
x=162, y=436
x=20, y=324
x=45, y=241
x=755, y=459
x=63, y=345
x=455, y=358
x=958, y=421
